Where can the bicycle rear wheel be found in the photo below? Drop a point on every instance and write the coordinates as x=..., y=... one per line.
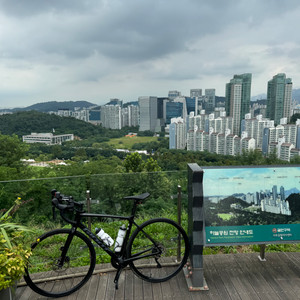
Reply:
x=46, y=277
x=166, y=246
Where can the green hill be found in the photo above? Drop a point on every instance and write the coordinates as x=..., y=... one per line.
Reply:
x=55, y=106
x=22, y=123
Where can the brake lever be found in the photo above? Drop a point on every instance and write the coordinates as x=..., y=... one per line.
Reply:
x=54, y=204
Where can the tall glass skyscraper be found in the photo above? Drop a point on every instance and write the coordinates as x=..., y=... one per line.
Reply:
x=237, y=99
x=279, y=98
x=173, y=110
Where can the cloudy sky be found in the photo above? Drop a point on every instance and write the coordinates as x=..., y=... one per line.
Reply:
x=95, y=50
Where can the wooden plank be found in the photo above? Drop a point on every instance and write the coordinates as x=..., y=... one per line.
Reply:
x=102, y=284
x=291, y=279
x=182, y=287
x=129, y=291
x=166, y=290
x=292, y=267
x=85, y=289
x=273, y=275
x=26, y=294
x=120, y=292
x=92, y=287
x=258, y=282
x=177, y=292
x=241, y=285
x=214, y=281
x=19, y=291
x=157, y=291
x=110, y=286
x=138, y=288
x=222, y=264
x=74, y=295
x=294, y=257
x=147, y=290
x=238, y=276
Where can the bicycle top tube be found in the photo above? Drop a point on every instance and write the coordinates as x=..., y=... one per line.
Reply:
x=93, y=215
x=67, y=204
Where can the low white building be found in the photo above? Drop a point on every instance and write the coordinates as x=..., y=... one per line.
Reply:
x=47, y=138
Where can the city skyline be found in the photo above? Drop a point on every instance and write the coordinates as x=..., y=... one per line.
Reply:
x=228, y=181
x=97, y=50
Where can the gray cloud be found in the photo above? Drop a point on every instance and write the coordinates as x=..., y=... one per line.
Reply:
x=155, y=44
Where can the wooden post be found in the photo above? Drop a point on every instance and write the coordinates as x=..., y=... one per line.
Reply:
x=88, y=204
x=179, y=221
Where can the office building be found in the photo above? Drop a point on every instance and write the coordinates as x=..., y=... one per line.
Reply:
x=279, y=98
x=174, y=94
x=210, y=100
x=195, y=93
x=173, y=110
x=148, y=114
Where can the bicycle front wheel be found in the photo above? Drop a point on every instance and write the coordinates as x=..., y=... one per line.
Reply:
x=46, y=274
x=160, y=247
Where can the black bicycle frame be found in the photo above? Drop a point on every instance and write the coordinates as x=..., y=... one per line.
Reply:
x=118, y=257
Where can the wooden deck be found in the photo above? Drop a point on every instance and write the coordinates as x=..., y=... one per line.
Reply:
x=228, y=276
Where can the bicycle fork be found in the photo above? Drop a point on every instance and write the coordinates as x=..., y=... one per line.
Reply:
x=64, y=258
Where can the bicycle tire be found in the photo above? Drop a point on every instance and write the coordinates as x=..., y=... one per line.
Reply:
x=165, y=233
x=42, y=274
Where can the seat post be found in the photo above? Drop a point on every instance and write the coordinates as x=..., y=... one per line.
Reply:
x=135, y=203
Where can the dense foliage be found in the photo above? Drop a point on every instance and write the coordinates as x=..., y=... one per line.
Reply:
x=121, y=174
x=25, y=122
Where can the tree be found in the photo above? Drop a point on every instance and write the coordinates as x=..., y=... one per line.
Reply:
x=133, y=163
x=151, y=165
x=294, y=118
x=11, y=151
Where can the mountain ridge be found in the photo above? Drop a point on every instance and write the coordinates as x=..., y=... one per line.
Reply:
x=52, y=106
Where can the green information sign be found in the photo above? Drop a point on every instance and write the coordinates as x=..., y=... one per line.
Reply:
x=251, y=204
x=252, y=234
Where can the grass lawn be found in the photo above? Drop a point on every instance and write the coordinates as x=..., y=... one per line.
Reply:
x=128, y=142
x=225, y=216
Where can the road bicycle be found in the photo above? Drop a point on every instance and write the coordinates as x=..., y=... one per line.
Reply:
x=63, y=260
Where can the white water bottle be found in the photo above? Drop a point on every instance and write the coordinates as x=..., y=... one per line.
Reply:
x=120, y=238
x=104, y=237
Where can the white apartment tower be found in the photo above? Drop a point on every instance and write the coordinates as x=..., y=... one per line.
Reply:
x=111, y=116
x=177, y=134
x=130, y=116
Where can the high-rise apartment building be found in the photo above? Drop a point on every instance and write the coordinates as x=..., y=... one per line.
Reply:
x=279, y=98
x=111, y=116
x=238, y=96
x=254, y=127
x=130, y=116
x=177, y=134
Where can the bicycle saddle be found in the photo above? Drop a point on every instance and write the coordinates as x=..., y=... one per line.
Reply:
x=138, y=197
